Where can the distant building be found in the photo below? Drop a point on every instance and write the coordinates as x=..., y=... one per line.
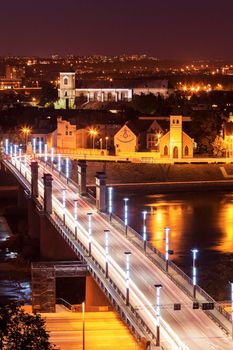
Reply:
x=68, y=92
x=176, y=143
x=155, y=136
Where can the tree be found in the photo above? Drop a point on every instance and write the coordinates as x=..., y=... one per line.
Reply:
x=20, y=330
x=205, y=126
x=48, y=94
x=219, y=147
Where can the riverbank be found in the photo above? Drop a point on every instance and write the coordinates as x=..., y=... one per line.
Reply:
x=164, y=176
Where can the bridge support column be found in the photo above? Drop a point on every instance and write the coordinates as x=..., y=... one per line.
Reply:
x=93, y=294
x=48, y=193
x=21, y=199
x=34, y=181
x=101, y=194
x=82, y=177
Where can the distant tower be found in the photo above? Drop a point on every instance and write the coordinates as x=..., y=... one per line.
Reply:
x=66, y=92
x=176, y=136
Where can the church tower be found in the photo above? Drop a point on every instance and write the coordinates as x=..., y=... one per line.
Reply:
x=66, y=92
x=176, y=137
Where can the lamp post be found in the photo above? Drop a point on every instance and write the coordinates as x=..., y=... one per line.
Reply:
x=158, y=287
x=127, y=276
x=59, y=163
x=64, y=204
x=34, y=146
x=26, y=131
x=11, y=151
x=40, y=148
x=231, y=283
x=101, y=144
x=126, y=214
x=106, y=142
x=106, y=237
x=110, y=189
x=194, y=271
x=83, y=319
x=6, y=147
x=167, y=231
x=144, y=214
x=89, y=215
x=75, y=216
x=20, y=158
x=52, y=156
x=93, y=133
x=67, y=169
x=45, y=152
x=15, y=150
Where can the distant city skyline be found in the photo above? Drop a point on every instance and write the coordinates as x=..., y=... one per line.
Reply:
x=180, y=30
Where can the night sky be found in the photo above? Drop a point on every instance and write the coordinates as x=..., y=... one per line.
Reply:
x=177, y=29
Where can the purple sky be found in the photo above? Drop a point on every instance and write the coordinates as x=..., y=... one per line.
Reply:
x=180, y=29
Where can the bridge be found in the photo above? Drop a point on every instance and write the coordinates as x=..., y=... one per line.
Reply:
x=151, y=294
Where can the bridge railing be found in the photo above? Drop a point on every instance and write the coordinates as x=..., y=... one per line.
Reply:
x=137, y=240
x=117, y=298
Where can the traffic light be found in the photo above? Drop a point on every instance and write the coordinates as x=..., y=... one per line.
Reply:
x=207, y=306
x=196, y=305
x=177, y=306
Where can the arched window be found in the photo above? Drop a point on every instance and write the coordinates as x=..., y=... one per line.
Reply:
x=65, y=94
x=65, y=81
x=177, y=121
x=186, y=151
x=165, y=151
x=175, y=152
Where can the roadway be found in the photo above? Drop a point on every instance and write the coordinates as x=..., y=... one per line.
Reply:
x=185, y=329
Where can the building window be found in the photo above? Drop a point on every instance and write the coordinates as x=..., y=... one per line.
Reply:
x=186, y=151
x=66, y=133
x=70, y=133
x=65, y=81
x=165, y=150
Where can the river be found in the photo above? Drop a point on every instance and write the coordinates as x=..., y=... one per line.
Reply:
x=197, y=220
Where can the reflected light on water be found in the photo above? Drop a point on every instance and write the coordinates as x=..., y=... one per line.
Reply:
x=225, y=224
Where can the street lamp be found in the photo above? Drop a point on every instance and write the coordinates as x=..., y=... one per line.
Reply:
x=59, y=163
x=126, y=214
x=45, y=152
x=106, y=142
x=127, y=276
x=167, y=230
x=158, y=287
x=89, y=231
x=11, y=151
x=52, y=156
x=194, y=271
x=93, y=133
x=75, y=216
x=67, y=169
x=231, y=283
x=15, y=150
x=7, y=147
x=144, y=213
x=25, y=130
x=64, y=203
x=83, y=319
x=40, y=148
x=110, y=189
x=34, y=146
x=106, y=233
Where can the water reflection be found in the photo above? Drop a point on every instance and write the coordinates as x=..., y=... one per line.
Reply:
x=201, y=220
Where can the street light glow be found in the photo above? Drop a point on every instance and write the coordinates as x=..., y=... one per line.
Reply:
x=110, y=189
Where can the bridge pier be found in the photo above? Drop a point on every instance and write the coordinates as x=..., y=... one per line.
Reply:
x=82, y=177
x=101, y=194
x=93, y=294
